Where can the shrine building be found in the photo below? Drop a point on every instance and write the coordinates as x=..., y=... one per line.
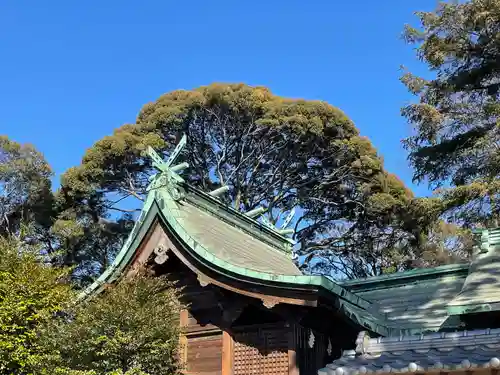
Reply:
x=248, y=309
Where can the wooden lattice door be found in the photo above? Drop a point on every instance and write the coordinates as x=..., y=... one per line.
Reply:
x=261, y=352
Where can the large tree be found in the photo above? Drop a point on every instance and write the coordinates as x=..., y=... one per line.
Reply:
x=456, y=139
x=352, y=216
x=25, y=188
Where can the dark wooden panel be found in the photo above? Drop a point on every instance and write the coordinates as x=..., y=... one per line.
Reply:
x=310, y=358
x=204, y=355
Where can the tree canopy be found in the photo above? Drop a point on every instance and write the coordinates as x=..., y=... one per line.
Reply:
x=130, y=327
x=353, y=218
x=25, y=188
x=456, y=120
x=31, y=292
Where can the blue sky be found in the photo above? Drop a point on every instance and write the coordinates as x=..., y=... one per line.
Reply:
x=72, y=71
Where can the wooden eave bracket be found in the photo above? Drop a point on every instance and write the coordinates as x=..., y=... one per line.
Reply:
x=203, y=281
x=161, y=254
x=269, y=303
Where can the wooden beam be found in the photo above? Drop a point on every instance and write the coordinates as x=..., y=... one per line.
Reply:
x=146, y=248
x=227, y=353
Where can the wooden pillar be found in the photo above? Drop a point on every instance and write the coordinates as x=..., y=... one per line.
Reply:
x=184, y=318
x=183, y=342
x=293, y=368
x=227, y=353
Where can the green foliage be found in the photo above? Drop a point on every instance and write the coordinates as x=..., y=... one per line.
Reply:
x=25, y=189
x=30, y=293
x=457, y=117
x=131, y=327
x=60, y=371
x=273, y=152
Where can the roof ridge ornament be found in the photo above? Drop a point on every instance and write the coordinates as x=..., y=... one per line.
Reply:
x=256, y=212
x=219, y=191
x=288, y=219
x=167, y=175
x=362, y=343
x=267, y=223
x=282, y=231
x=168, y=178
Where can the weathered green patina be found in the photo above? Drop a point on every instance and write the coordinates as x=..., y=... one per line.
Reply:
x=457, y=302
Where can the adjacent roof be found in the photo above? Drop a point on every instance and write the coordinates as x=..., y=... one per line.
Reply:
x=414, y=301
x=430, y=300
x=409, y=354
x=481, y=290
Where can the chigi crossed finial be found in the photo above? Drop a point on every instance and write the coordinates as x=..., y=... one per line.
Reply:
x=167, y=171
x=167, y=177
x=283, y=229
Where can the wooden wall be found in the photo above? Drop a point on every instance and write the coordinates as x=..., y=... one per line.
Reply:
x=201, y=347
x=200, y=321
x=227, y=333
x=256, y=342
x=204, y=355
x=261, y=349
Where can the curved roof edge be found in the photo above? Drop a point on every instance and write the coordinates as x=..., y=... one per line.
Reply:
x=160, y=205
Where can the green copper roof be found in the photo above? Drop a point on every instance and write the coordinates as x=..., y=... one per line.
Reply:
x=413, y=301
x=481, y=290
x=223, y=213
x=233, y=244
x=398, y=278
x=416, y=305
x=177, y=214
